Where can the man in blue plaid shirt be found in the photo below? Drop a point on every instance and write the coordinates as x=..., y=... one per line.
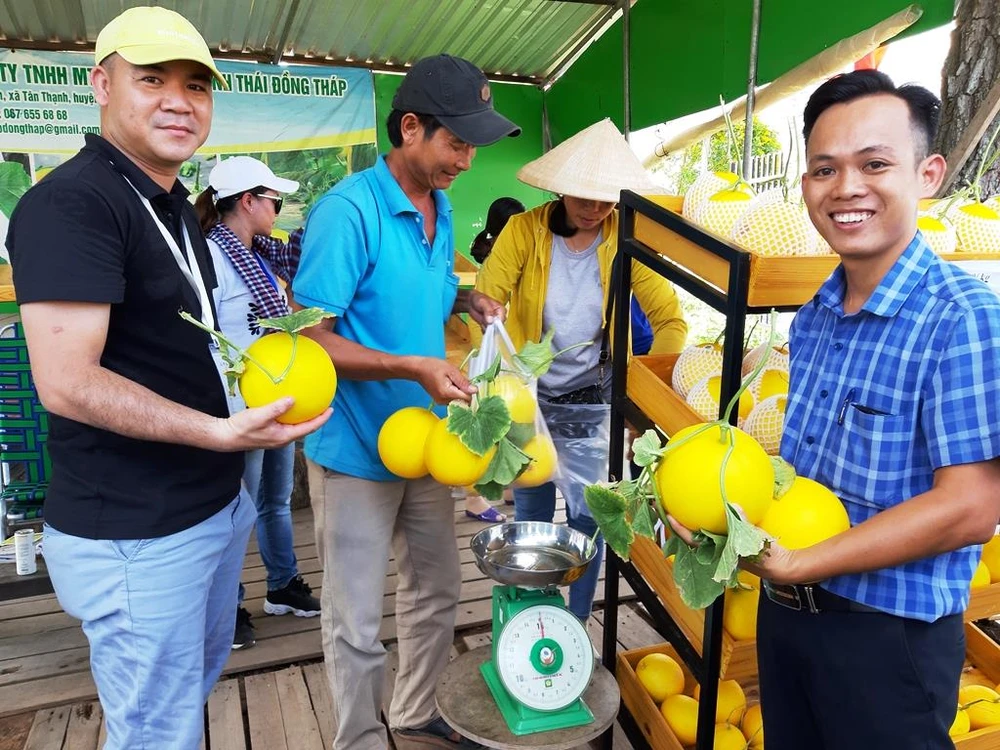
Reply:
x=895, y=406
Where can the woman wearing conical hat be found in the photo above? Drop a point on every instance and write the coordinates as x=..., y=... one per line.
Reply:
x=552, y=264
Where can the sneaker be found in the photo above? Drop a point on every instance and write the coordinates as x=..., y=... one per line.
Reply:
x=243, y=636
x=296, y=598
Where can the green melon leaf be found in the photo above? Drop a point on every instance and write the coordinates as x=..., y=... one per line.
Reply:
x=479, y=429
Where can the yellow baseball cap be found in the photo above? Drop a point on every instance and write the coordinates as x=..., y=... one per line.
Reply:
x=150, y=35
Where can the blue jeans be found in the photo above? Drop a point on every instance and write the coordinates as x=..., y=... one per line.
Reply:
x=159, y=620
x=269, y=475
x=539, y=504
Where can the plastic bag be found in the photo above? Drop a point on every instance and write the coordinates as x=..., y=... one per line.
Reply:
x=581, y=434
x=509, y=379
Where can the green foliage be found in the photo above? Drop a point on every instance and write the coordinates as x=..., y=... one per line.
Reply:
x=722, y=151
x=690, y=162
x=608, y=509
x=14, y=182
x=296, y=321
x=482, y=427
x=507, y=464
x=317, y=170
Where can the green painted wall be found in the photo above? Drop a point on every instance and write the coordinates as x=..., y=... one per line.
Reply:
x=685, y=54
x=493, y=171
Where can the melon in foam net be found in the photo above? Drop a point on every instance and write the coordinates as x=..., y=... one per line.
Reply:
x=939, y=233
x=706, y=185
x=722, y=210
x=978, y=228
x=695, y=363
x=774, y=227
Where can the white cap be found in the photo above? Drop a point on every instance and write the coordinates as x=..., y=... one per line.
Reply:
x=240, y=173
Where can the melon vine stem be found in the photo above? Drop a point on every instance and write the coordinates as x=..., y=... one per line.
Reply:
x=242, y=352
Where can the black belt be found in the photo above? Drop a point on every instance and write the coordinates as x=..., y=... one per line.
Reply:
x=812, y=598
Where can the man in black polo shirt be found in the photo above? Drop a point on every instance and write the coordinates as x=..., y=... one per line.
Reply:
x=146, y=523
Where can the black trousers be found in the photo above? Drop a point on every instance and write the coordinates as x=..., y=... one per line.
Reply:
x=857, y=681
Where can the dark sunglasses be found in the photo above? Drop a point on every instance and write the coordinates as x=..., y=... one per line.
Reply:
x=278, y=201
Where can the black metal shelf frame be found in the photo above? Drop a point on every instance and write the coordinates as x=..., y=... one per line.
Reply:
x=706, y=667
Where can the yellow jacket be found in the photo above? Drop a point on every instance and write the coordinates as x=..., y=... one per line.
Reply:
x=517, y=272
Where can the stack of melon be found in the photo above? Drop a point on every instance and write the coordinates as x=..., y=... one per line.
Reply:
x=738, y=725
x=776, y=224
x=958, y=224
x=771, y=223
x=697, y=378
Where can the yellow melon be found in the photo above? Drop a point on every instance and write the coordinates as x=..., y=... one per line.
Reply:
x=991, y=558
x=772, y=381
x=978, y=229
x=940, y=234
x=723, y=209
x=706, y=185
x=704, y=399
x=981, y=578
x=766, y=422
x=778, y=357
x=695, y=363
x=774, y=228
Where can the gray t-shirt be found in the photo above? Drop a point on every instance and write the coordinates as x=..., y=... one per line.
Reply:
x=573, y=307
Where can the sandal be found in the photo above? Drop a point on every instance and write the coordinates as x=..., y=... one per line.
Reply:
x=436, y=733
x=490, y=515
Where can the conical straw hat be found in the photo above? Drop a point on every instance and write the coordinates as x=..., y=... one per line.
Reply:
x=597, y=163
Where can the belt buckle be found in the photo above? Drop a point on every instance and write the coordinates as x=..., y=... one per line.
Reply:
x=789, y=597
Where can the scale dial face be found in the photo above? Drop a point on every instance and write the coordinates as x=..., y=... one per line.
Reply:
x=544, y=657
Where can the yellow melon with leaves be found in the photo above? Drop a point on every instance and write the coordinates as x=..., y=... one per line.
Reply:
x=766, y=422
x=695, y=363
x=705, y=186
x=939, y=233
x=978, y=228
x=774, y=228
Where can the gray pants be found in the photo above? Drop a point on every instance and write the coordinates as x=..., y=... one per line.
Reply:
x=357, y=523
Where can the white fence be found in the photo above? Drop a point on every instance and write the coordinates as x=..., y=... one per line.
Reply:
x=766, y=170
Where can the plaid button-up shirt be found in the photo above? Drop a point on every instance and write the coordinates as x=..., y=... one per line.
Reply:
x=881, y=399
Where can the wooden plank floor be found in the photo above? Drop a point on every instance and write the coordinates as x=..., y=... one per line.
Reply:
x=45, y=683
x=283, y=708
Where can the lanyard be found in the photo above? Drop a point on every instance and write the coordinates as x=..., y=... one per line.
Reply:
x=266, y=270
x=195, y=279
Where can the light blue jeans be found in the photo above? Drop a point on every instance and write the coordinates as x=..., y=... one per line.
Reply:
x=159, y=617
x=539, y=504
x=269, y=476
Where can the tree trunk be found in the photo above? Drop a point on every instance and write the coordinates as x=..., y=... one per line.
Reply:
x=971, y=69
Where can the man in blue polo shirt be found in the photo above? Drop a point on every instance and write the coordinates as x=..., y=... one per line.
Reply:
x=378, y=252
x=894, y=405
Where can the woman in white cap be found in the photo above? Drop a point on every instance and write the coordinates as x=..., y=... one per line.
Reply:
x=237, y=213
x=553, y=265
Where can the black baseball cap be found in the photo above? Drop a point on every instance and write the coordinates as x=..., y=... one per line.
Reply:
x=457, y=93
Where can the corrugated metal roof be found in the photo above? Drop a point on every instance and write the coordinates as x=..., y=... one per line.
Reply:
x=520, y=39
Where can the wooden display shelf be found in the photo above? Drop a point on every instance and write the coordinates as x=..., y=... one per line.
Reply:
x=775, y=281
x=6, y=283
x=739, y=657
x=644, y=711
x=984, y=602
x=983, y=653
x=648, y=386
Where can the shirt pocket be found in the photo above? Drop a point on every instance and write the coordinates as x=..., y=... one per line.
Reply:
x=449, y=291
x=875, y=450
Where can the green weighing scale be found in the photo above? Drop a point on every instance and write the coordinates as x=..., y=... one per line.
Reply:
x=542, y=656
